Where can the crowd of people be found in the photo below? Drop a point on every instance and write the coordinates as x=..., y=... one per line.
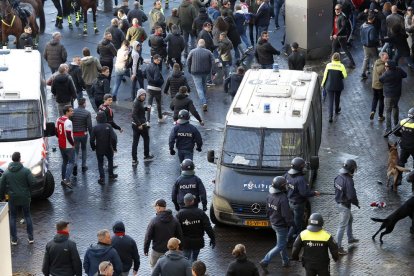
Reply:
x=208, y=37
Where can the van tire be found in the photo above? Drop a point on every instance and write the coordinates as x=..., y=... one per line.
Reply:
x=49, y=187
x=213, y=216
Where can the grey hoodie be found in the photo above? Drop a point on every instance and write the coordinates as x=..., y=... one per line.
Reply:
x=172, y=263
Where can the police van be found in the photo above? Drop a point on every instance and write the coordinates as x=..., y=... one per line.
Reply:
x=23, y=116
x=274, y=117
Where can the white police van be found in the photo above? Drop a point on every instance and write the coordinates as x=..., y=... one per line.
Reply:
x=23, y=116
x=274, y=117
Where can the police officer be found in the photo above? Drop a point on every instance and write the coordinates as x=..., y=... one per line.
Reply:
x=345, y=195
x=298, y=193
x=315, y=242
x=194, y=222
x=188, y=182
x=406, y=131
x=281, y=218
x=185, y=136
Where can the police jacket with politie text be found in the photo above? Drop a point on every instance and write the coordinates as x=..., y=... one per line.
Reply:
x=345, y=192
x=62, y=257
x=333, y=76
x=185, y=137
x=406, y=133
x=194, y=222
x=315, y=247
x=160, y=229
x=298, y=188
x=278, y=210
x=189, y=184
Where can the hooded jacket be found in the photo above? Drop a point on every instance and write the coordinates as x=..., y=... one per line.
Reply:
x=154, y=77
x=106, y=51
x=55, y=54
x=242, y=267
x=160, y=229
x=138, y=111
x=379, y=69
x=176, y=44
x=224, y=48
x=90, y=69
x=126, y=247
x=277, y=208
x=174, y=82
x=100, y=87
x=16, y=182
x=239, y=20
x=182, y=101
x=264, y=52
x=369, y=35
x=187, y=14
x=61, y=257
x=172, y=263
x=63, y=88
x=199, y=21
x=103, y=138
x=98, y=253
x=76, y=73
x=137, y=60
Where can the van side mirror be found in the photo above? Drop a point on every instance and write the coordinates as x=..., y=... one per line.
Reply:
x=50, y=130
x=314, y=162
x=210, y=156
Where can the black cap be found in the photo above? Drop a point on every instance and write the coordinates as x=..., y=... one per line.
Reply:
x=60, y=225
x=161, y=203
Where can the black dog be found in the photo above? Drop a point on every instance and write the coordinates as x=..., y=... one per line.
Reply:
x=405, y=210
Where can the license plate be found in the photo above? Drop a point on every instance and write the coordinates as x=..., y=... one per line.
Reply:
x=257, y=223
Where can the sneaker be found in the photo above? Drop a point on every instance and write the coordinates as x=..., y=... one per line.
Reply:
x=148, y=124
x=353, y=240
x=277, y=28
x=75, y=170
x=286, y=264
x=101, y=181
x=84, y=169
x=330, y=119
x=66, y=183
x=148, y=158
x=381, y=118
x=338, y=111
x=14, y=242
x=162, y=120
x=341, y=251
x=371, y=115
x=363, y=76
x=114, y=99
x=134, y=162
x=264, y=267
x=113, y=176
x=210, y=83
x=205, y=107
x=31, y=241
x=351, y=66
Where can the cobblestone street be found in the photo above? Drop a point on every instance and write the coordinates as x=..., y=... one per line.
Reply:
x=91, y=207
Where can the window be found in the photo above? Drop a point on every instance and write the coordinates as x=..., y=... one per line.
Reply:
x=280, y=146
x=242, y=146
x=20, y=120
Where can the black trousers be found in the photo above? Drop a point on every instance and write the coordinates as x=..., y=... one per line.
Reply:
x=110, y=157
x=340, y=42
x=152, y=94
x=404, y=155
x=313, y=270
x=135, y=140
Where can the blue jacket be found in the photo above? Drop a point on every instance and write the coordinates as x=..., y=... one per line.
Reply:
x=185, y=136
x=278, y=210
x=188, y=184
x=98, y=253
x=345, y=191
x=392, y=82
x=369, y=35
x=262, y=16
x=298, y=188
x=239, y=20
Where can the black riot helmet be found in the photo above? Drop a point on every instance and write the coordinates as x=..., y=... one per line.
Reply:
x=183, y=116
x=349, y=166
x=279, y=183
x=298, y=165
x=411, y=113
x=187, y=165
x=315, y=222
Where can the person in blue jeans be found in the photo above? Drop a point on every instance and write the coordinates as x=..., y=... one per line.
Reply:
x=121, y=67
x=278, y=6
x=281, y=218
x=16, y=182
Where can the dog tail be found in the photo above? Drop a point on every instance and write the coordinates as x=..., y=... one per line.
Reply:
x=378, y=219
x=401, y=169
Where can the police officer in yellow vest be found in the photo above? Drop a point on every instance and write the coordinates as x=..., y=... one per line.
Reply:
x=315, y=243
x=405, y=130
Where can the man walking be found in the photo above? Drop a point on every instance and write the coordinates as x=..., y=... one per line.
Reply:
x=107, y=51
x=281, y=218
x=76, y=74
x=185, y=136
x=55, y=53
x=109, y=113
x=140, y=127
x=345, y=195
x=200, y=63
x=296, y=60
x=265, y=51
x=174, y=262
x=186, y=183
x=160, y=229
x=316, y=242
x=126, y=248
x=82, y=125
x=16, y=182
x=104, y=141
x=63, y=88
x=61, y=254
x=194, y=222
x=155, y=82
x=340, y=32
x=102, y=251
x=187, y=14
x=64, y=133
x=370, y=41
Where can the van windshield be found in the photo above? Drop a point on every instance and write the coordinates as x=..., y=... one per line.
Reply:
x=20, y=120
x=261, y=148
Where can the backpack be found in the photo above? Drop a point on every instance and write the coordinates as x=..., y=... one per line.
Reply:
x=129, y=62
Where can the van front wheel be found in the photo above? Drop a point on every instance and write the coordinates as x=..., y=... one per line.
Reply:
x=49, y=187
x=213, y=216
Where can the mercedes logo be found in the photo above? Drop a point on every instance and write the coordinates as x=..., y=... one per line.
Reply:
x=255, y=208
